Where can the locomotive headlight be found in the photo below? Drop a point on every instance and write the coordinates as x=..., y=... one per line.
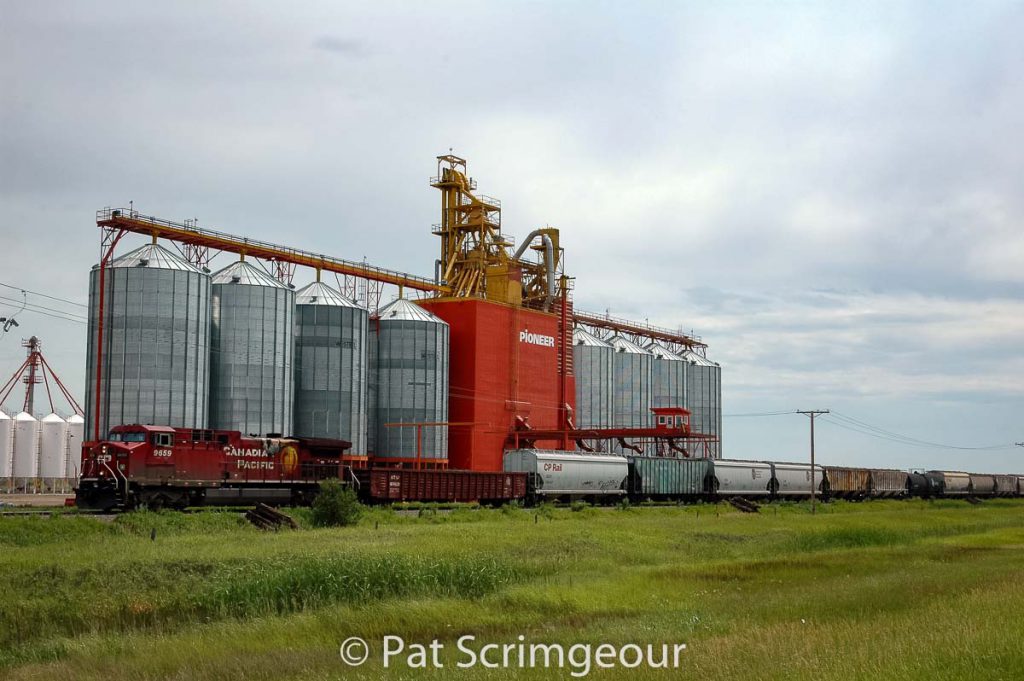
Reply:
x=103, y=449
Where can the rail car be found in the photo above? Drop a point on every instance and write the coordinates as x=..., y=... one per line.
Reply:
x=564, y=475
x=157, y=466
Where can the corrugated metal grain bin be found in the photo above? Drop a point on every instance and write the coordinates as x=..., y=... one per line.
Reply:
x=592, y=364
x=888, y=483
x=983, y=485
x=409, y=376
x=668, y=383
x=631, y=386
x=1020, y=485
x=704, y=396
x=667, y=477
x=6, y=445
x=156, y=342
x=251, y=376
x=1006, y=485
x=330, y=366
x=745, y=478
x=848, y=483
x=387, y=484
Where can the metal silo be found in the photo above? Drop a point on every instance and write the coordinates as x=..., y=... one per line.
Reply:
x=411, y=376
x=6, y=446
x=716, y=407
x=73, y=456
x=668, y=380
x=668, y=377
x=631, y=385
x=330, y=366
x=592, y=365
x=251, y=345
x=703, y=391
x=25, y=465
x=53, y=433
x=156, y=333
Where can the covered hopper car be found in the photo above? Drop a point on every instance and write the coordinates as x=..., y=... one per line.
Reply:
x=557, y=474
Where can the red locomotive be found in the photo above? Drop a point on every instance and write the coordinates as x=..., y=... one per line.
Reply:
x=159, y=466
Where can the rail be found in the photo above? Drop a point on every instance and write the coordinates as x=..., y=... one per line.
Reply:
x=132, y=221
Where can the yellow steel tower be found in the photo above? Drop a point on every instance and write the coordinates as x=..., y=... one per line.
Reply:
x=477, y=260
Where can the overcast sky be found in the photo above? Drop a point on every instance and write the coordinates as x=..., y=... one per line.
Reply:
x=830, y=194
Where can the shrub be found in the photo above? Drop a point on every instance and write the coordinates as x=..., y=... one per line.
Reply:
x=578, y=506
x=336, y=505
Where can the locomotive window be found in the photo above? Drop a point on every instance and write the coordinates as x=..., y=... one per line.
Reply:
x=162, y=439
x=131, y=437
x=222, y=439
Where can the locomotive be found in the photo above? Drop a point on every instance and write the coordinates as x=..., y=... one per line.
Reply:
x=157, y=466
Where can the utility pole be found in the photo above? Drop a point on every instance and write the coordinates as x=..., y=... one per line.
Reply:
x=813, y=413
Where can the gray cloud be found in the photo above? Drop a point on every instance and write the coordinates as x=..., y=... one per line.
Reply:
x=830, y=195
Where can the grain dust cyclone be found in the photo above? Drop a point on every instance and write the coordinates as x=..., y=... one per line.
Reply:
x=543, y=340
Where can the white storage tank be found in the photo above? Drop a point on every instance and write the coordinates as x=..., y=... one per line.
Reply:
x=26, y=447
x=53, y=432
x=6, y=445
x=73, y=455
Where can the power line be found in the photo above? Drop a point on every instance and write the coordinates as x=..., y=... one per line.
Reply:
x=35, y=293
x=869, y=429
x=763, y=413
x=37, y=307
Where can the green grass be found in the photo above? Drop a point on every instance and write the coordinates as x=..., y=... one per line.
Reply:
x=918, y=590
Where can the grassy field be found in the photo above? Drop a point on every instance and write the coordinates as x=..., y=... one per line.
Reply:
x=908, y=590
